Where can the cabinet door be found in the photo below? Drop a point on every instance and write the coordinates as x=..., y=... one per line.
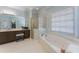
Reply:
x=27, y=34
x=11, y=36
x=3, y=37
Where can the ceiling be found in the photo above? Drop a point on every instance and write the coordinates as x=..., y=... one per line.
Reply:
x=23, y=7
x=43, y=8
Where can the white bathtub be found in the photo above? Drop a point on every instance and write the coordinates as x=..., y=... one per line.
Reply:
x=53, y=42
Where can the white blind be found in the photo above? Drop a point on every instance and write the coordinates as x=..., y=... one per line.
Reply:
x=62, y=21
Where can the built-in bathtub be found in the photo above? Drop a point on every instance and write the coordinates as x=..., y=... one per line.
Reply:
x=54, y=42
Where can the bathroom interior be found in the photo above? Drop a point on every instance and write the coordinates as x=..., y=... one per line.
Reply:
x=55, y=28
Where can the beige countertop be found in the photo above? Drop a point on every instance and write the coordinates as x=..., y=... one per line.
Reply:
x=4, y=30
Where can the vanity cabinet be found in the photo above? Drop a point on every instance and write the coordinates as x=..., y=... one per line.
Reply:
x=10, y=35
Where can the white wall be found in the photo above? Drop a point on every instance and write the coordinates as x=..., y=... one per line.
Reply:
x=76, y=22
x=27, y=16
x=44, y=19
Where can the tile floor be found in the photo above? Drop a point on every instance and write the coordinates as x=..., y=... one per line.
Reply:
x=26, y=46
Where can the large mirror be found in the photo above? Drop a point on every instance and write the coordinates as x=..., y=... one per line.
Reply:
x=8, y=21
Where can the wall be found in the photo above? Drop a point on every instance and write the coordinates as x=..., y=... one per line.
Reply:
x=76, y=22
x=35, y=18
x=27, y=17
x=44, y=19
x=33, y=21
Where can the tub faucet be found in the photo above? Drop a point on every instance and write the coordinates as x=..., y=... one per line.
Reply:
x=44, y=34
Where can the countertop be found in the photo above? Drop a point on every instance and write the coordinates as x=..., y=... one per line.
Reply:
x=5, y=30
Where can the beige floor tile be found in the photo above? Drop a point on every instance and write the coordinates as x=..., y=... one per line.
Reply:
x=26, y=46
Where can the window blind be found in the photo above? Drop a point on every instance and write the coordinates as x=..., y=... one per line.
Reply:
x=63, y=20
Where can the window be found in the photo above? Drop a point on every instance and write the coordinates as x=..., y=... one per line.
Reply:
x=62, y=21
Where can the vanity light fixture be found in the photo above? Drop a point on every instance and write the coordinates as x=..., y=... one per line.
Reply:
x=7, y=12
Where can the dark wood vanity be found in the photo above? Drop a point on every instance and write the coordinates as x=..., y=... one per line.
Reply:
x=10, y=35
